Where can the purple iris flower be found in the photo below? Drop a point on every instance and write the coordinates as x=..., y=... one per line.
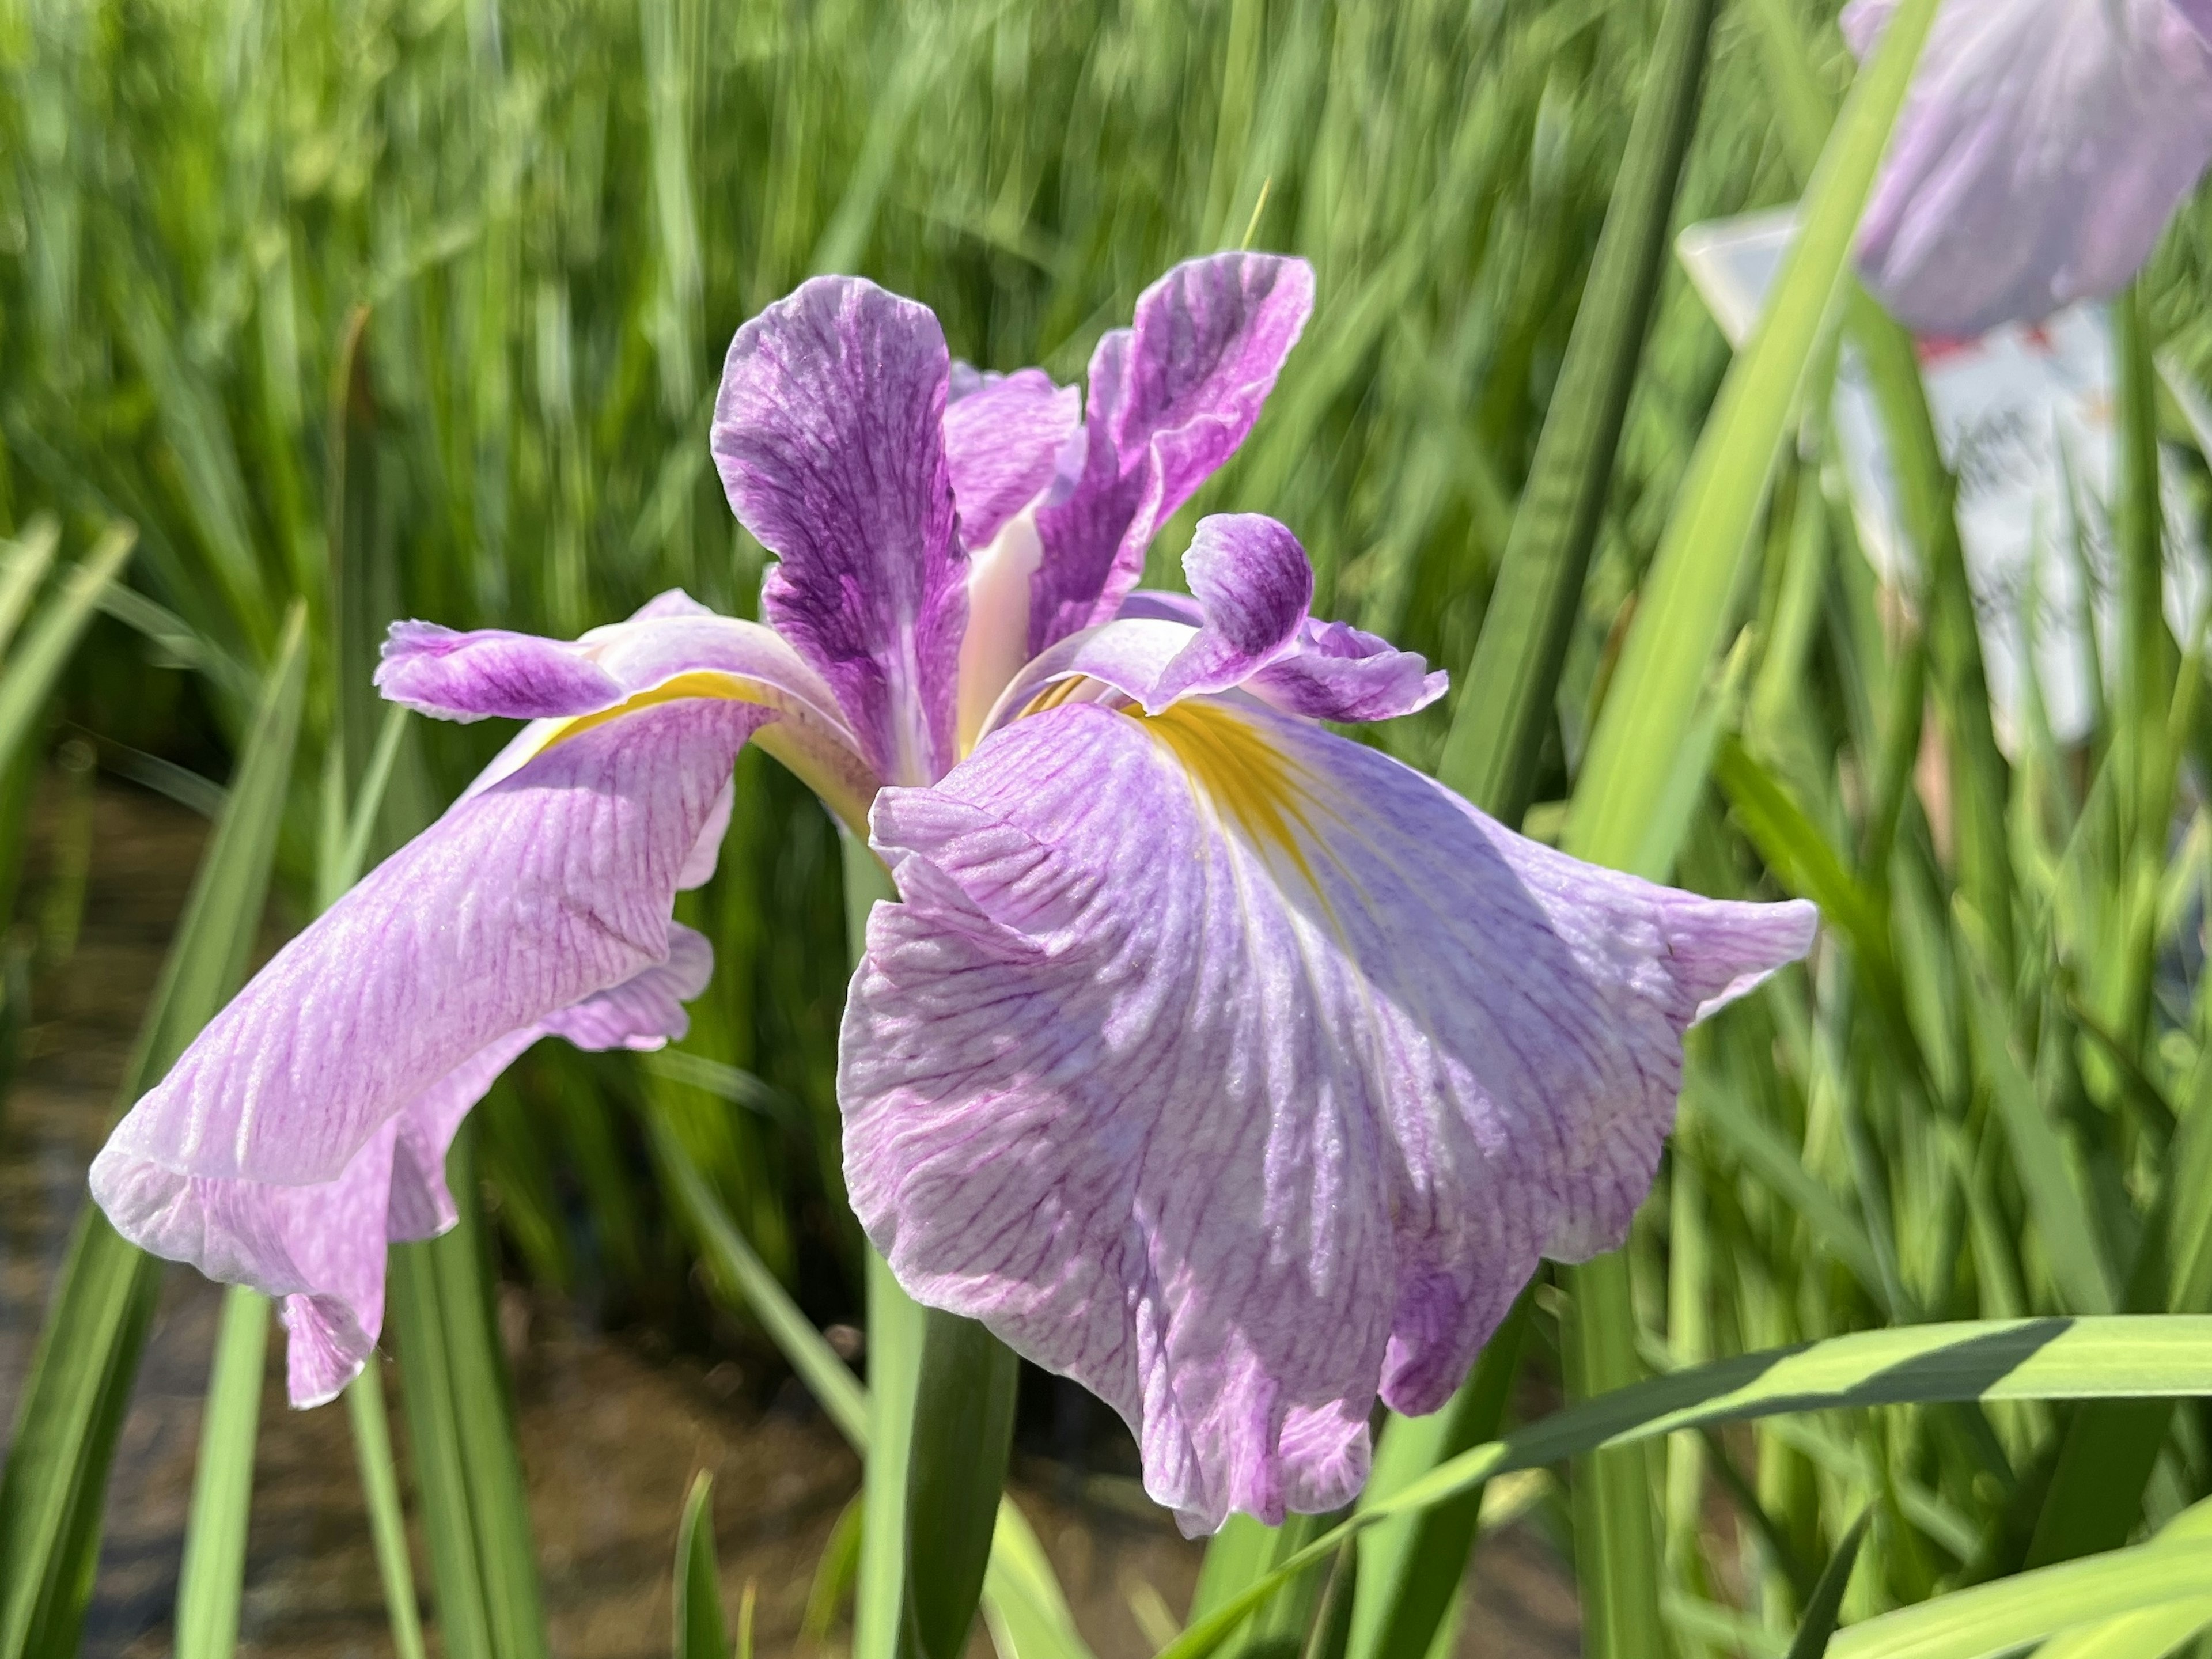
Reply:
x=2043, y=147
x=1208, y=1057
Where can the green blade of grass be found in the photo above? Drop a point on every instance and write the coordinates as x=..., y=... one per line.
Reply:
x=210, y=1580
x=38, y=662
x=883, y=1614
x=1409, y=1572
x=449, y=1355
x=73, y=1401
x=388, y=1521
x=1991, y=1619
x=701, y=1632
x=1503, y=707
x=23, y=567
x=1021, y=1599
x=1826, y=1608
x=1410, y=1569
x=2111, y=1357
x=963, y=1415
x=1684, y=605
x=2152, y=1631
x=1681, y=613
x=418, y=1333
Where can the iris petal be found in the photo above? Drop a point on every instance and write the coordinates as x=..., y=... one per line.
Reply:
x=309, y=1121
x=1002, y=434
x=321, y=1246
x=2041, y=151
x=1170, y=399
x=1244, y=627
x=828, y=433
x=1240, y=1073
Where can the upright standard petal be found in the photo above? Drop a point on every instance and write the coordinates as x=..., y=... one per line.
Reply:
x=2042, y=149
x=1003, y=433
x=1241, y=1073
x=829, y=431
x=1170, y=399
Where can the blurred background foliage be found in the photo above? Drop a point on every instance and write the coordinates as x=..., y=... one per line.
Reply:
x=415, y=309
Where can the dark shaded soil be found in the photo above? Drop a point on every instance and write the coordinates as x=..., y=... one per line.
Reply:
x=611, y=1437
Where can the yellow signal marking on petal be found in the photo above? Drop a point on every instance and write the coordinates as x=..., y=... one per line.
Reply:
x=697, y=683
x=1051, y=697
x=1245, y=776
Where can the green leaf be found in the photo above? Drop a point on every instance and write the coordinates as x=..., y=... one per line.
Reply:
x=1410, y=1568
x=700, y=1631
x=1682, y=611
x=2152, y=1631
x=1826, y=1605
x=1244, y=1552
x=459, y=1414
x=1683, y=607
x=963, y=1428
x=37, y=663
x=1022, y=1602
x=1999, y=1618
x=2113, y=1357
x=388, y=1521
x=211, y=1578
x=1505, y=703
x=79, y=1384
x=1023, y=1606
x=746, y=1280
x=24, y=563
x=883, y=1613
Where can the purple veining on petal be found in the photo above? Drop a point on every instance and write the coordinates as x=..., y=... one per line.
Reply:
x=1253, y=584
x=1244, y=628
x=1169, y=400
x=1000, y=441
x=555, y=883
x=1241, y=1099
x=321, y=1247
x=828, y=433
x=672, y=643
x=2042, y=149
x=467, y=677
x=1337, y=672
x=1157, y=605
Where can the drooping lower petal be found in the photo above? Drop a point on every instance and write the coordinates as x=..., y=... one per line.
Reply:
x=552, y=885
x=321, y=1246
x=828, y=433
x=2043, y=147
x=1171, y=398
x=1241, y=1073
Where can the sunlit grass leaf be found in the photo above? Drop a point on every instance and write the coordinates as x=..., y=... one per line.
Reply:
x=1504, y=705
x=73, y=1401
x=2110, y=1357
x=210, y=1583
x=460, y=1417
x=37, y=662
x=700, y=1631
x=1682, y=611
